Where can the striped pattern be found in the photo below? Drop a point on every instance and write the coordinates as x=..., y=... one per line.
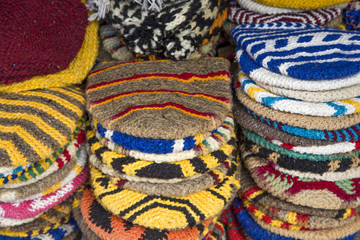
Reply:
x=164, y=212
x=269, y=99
x=146, y=94
x=319, y=17
x=301, y=51
x=35, y=124
x=127, y=165
x=162, y=146
x=253, y=6
x=304, y=4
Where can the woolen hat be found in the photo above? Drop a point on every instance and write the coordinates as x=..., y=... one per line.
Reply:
x=305, y=4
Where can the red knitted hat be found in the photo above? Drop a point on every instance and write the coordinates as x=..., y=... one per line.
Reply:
x=39, y=37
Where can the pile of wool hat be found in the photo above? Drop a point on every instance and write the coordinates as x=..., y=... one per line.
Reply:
x=46, y=48
x=161, y=144
x=297, y=102
x=176, y=30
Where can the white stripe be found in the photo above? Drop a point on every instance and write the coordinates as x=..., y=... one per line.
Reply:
x=178, y=145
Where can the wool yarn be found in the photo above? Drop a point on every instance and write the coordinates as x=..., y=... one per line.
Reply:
x=173, y=88
x=303, y=165
x=233, y=229
x=320, y=17
x=218, y=232
x=90, y=214
x=305, y=192
x=42, y=120
x=154, y=211
x=174, y=33
x=32, y=170
x=125, y=164
x=73, y=236
x=246, y=121
x=352, y=15
x=307, y=4
x=161, y=146
x=75, y=72
x=320, y=96
x=26, y=47
x=284, y=104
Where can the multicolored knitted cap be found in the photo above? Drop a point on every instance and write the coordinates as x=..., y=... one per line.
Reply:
x=35, y=124
x=175, y=32
x=159, y=212
x=39, y=37
x=160, y=99
x=305, y=4
x=240, y=15
x=352, y=15
x=107, y=226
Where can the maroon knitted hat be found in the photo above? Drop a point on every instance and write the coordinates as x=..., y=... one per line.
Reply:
x=39, y=37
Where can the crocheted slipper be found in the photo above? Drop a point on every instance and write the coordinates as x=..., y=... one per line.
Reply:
x=198, y=97
x=280, y=103
x=240, y=15
x=175, y=32
x=74, y=73
x=35, y=124
x=26, y=47
x=154, y=211
x=124, y=165
x=33, y=171
x=305, y=192
x=91, y=216
x=141, y=147
x=305, y=4
x=310, y=73
x=287, y=163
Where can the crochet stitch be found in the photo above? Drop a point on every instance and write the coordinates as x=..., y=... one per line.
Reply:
x=352, y=15
x=174, y=33
x=43, y=41
x=305, y=4
x=319, y=17
x=159, y=212
x=147, y=94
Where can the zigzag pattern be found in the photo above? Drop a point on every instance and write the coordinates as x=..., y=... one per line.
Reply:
x=164, y=212
x=301, y=51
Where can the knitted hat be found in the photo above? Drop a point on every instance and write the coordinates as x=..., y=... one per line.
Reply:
x=352, y=15
x=125, y=165
x=92, y=216
x=37, y=170
x=303, y=165
x=284, y=104
x=75, y=72
x=43, y=121
x=39, y=37
x=218, y=232
x=310, y=96
x=197, y=97
x=240, y=15
x=121, y=142
x=164, y=212
x=305, y=4
x=303, y=75
x=76, y=235
x=175, y=32
x=305, y=192
x=233, y=229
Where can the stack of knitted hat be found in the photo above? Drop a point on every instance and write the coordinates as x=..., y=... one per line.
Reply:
x=298, y=104
x=46, y=47
x=163, y=161
x=322, y=13
x=175, y=30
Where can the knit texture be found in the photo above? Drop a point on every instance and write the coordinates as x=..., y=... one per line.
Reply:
x=31, y=171
x=271, y=100
x=319, y=17
x=161, y=146
x=37, y=123
x=164, y=212
x=254, y=6
x=175, y=32
x=126, y=165
x=352, y=15
x=305, y=192
x=307, y=4
x=107, y=226
x=233, y=228
x=196, y=93
x=74, y=73
x=43, y=41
